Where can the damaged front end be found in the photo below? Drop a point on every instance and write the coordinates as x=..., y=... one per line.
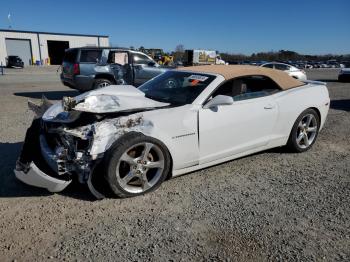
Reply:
x=54, y=152
x=68, y=140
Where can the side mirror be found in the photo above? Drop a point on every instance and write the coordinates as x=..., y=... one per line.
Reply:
x=219, y=100
x=151, y=63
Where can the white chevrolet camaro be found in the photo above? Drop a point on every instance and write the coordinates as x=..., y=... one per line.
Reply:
x=127, y=141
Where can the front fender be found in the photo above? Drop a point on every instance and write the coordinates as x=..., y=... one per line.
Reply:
x=176, y=128
x=110, y=130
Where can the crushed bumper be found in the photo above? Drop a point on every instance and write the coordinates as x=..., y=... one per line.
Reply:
x=35, y=177
x=38, y=165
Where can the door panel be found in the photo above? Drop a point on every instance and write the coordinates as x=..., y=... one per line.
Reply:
x=144, y=68
x=232, y=129
x=119, y=62
x=145, y=72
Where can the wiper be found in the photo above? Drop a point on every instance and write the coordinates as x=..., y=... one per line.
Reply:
x=156, y=98
x=150, y=97
x=172, y=103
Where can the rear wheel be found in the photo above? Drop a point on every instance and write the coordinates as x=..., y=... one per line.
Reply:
x=100, y=83
x=304, y=131
x=342, y=79
x=136, y=164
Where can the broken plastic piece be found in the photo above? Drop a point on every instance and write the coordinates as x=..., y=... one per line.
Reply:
x=35, y=177
x=68, y=103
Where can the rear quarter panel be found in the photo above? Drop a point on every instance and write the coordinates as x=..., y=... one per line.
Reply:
x=291, y=103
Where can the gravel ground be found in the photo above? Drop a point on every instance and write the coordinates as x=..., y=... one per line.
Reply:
x=269, y=206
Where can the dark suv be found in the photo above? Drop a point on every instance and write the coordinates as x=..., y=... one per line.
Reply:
x=90, y=68
x=14, y=61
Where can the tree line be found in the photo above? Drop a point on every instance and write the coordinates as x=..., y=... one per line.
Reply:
x=282, y=55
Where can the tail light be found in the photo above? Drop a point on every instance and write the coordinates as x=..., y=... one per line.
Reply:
x=76, y=69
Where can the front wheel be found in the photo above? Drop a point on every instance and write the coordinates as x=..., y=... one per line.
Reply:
x=304, y=131
x=136, y=165
x=101, y=82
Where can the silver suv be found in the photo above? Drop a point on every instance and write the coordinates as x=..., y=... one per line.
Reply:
x=90, y=68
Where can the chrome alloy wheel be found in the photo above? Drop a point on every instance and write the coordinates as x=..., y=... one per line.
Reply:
x=103, y=84
x=140, y=167
x=306, y=131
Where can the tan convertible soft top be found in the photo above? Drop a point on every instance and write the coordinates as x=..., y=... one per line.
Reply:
x=233, y=71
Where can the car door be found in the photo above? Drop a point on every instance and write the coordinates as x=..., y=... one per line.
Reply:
x=144, y=68
x=118, y=61
x=232, y=129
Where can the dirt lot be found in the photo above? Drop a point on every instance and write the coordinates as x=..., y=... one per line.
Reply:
x=269, y=206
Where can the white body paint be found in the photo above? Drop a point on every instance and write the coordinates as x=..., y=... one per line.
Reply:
x=198, y=137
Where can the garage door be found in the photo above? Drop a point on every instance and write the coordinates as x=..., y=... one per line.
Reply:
x=19, y=47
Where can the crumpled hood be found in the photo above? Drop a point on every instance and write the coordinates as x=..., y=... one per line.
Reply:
x=110, y=99
x=114, y=99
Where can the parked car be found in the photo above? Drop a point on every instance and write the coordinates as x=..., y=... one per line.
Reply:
x=316, y=64
x=289, y=69
x=14, y=61
x=91, y=68
x=344, y=73
x=333, y=63
x=130, y=140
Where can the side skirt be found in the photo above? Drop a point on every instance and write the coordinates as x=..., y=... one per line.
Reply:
x=183, y=171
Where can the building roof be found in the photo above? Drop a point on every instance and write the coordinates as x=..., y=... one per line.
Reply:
x=233, y=71
x=49, y=33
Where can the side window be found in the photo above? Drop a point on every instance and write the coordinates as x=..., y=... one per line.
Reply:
x=141, y=59
x=249, y=87
x=120, y=58
x=90, y=56
x=70, y=56
x=281, y=67
x=268, y=65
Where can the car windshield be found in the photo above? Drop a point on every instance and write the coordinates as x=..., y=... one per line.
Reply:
x=176, y=88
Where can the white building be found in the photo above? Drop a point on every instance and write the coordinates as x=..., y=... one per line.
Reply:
x=35, y=47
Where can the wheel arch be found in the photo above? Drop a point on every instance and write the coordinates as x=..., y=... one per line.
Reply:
x=109, y=142
x=312, y=107
x=106, y=76
x=136, y=133
x=318, y=113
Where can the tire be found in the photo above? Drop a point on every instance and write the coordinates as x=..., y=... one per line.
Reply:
x=101, y=82
x=342, y=79
x=129, y=171
x=304, y=132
